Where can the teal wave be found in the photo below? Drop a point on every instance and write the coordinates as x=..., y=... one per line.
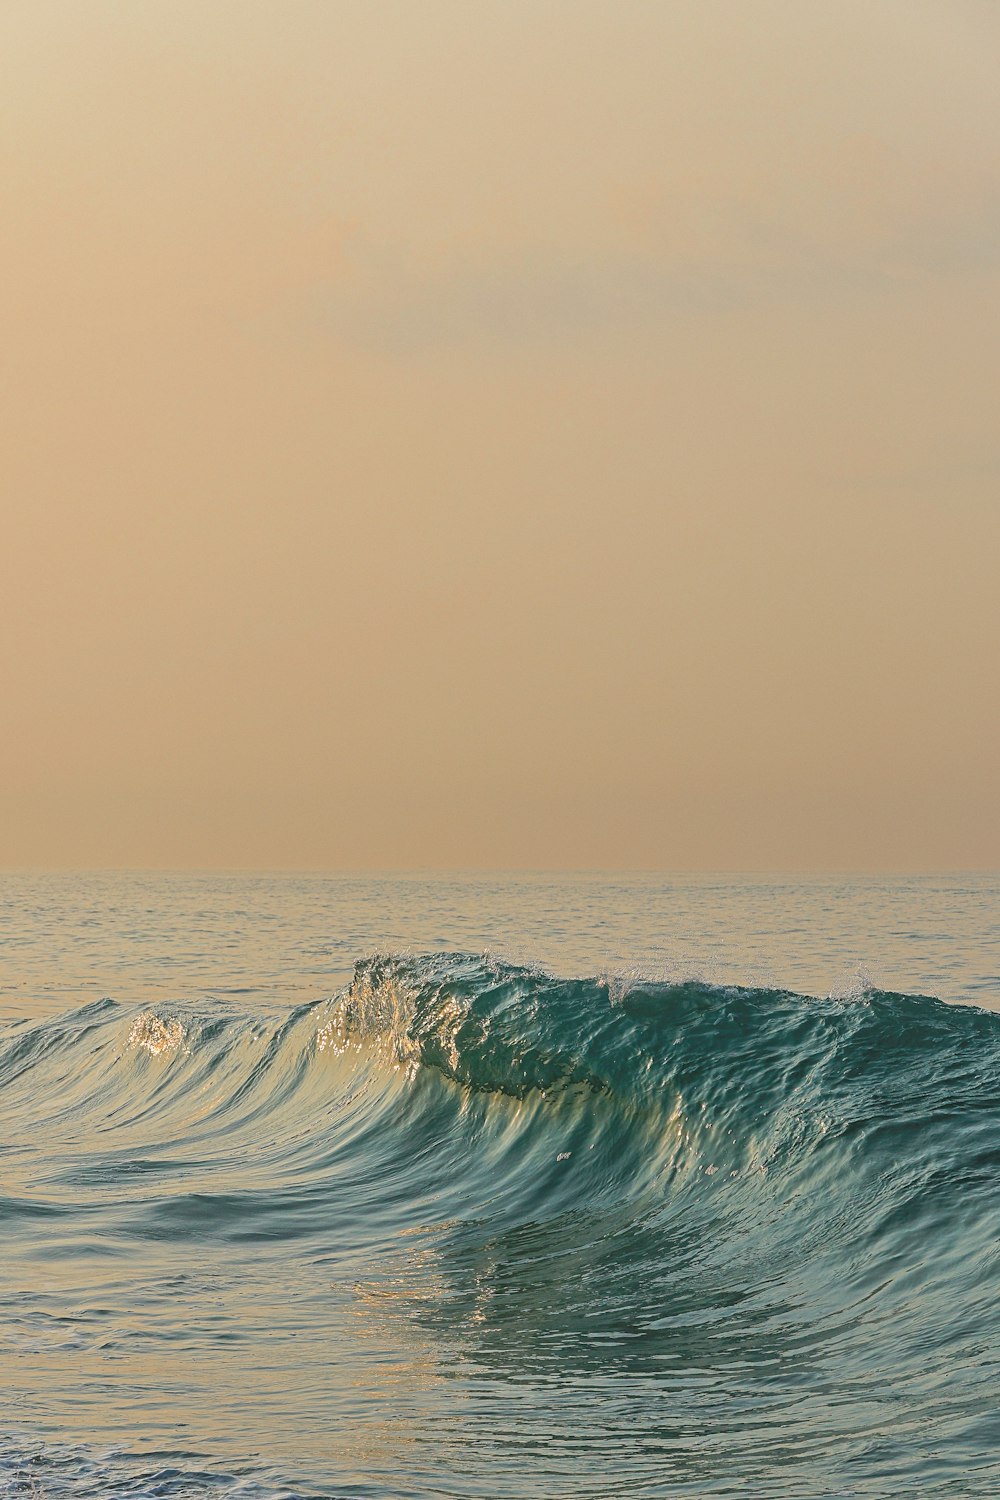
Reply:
x=774, y=1214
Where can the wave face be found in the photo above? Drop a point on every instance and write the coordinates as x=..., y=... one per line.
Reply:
x=467, y=1228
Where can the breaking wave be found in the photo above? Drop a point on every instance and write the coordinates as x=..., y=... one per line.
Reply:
x=763, y=1229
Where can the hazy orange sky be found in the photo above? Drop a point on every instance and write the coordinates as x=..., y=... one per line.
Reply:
x=500, y=434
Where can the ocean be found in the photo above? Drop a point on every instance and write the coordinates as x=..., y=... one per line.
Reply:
x=522, y=1186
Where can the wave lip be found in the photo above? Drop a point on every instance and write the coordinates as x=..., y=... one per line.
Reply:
x=509, y=1029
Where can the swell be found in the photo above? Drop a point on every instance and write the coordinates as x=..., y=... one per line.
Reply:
x=773, y=1214
x=551, y=1093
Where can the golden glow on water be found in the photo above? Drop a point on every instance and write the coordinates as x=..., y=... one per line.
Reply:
x=273, y=1226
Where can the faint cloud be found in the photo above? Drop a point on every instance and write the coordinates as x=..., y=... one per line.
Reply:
x=857, y=206
x=537, y=299
x=851, y=223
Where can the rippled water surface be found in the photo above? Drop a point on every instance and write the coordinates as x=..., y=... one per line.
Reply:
x=499, y=1186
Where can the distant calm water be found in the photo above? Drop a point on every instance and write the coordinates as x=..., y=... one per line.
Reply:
x=522, y=1186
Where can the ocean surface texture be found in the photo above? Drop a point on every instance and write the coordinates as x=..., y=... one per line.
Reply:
x=479, y=1186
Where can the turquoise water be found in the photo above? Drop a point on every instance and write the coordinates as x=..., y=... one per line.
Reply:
x=499, y=1186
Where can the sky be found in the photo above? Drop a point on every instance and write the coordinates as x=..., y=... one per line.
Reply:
x=538, y=434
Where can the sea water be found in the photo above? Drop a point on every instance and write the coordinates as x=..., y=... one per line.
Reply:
x=499, y=1186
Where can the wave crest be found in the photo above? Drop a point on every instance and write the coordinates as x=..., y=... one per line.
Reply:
x=150, y=1033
